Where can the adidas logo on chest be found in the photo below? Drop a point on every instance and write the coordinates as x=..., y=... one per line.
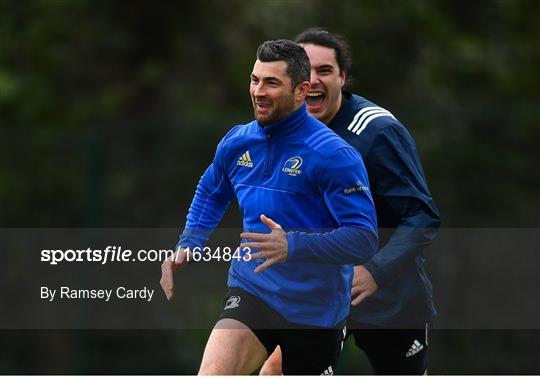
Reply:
x=245, y=160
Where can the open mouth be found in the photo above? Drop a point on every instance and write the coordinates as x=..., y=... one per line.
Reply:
x=315, y=98
x=263, y=105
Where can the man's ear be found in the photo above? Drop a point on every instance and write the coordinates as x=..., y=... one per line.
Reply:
x=343, y=76
x=301, y=91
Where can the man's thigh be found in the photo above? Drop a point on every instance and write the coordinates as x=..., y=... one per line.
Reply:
x=305, y=351
x=232, y=349
x=394, y=351
x=251, y=311
x=310, y=351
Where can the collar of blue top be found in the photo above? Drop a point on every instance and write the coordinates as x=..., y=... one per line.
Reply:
x=286, y=125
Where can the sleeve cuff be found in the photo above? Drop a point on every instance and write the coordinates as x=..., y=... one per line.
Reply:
x=290, y=247
x=192, y=238
x=376, y=272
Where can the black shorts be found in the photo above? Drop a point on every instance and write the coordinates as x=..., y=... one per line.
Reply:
x=312, y=351
x=393, y=351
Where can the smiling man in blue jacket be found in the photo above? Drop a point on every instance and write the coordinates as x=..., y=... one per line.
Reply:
x=308, y=216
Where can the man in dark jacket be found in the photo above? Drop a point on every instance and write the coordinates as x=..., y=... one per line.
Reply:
x=392, y=295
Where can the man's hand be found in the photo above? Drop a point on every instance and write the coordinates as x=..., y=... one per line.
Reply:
x=363, y=285
x=169, y=267
x=273, y=246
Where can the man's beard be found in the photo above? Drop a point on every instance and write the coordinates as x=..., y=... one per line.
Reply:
x=279, y=113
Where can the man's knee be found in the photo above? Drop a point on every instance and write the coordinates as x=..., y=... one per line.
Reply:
x=271, y=368
x=272, y=365
x=213, y=368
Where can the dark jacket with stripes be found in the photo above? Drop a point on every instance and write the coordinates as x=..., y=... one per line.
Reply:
x=407, y=216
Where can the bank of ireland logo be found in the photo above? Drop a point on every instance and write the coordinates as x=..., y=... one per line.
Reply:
x=291, y=166
x=233, y=302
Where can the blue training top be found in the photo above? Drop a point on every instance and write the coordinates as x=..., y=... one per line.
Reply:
x=302, y=175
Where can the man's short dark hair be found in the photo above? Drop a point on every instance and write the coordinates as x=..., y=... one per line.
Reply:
x=298, y=66
x=321, y=37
